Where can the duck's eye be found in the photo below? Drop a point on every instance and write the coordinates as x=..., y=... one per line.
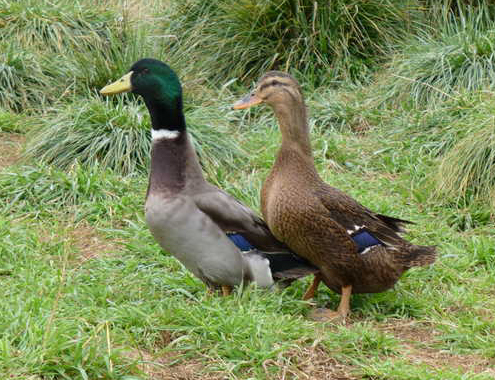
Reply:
x=275, y=82
x=146, y=71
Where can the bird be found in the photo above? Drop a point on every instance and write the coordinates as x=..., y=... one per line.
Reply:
x=356, y=249
x=221, y=241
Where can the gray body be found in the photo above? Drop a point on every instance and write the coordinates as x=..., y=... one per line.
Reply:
x=191, y=236
x=191, y=223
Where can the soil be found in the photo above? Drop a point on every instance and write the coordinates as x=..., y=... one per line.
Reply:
x=10, y=148
x=417, y=342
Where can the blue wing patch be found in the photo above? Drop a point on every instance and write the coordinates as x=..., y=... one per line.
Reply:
x=364, y=239
x=241, y=242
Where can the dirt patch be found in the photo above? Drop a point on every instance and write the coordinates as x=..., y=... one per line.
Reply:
x=89, y=243
x=166, y=367
x=416, y=345
x=301, y=363
x=10, y=148
x=360, y=125
x=309, y=363
x=85, y=241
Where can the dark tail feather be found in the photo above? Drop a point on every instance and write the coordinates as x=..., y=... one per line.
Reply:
x=419, y=255
x=395, y=223
x=286, y=265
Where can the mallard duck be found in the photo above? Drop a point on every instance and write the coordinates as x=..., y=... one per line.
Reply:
x=357, y=250
x=218, y=239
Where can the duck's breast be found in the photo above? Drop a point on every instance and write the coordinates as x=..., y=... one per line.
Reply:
x=194, y=239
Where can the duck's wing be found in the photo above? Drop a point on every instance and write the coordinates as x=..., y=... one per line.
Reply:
x=366, y=227
x=234, y=217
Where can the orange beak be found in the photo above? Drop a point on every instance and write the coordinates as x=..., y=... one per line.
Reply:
x=247, y=101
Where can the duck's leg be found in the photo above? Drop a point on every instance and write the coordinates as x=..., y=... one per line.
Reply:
x=345, y=301
x=226, y=290
x=310, y=293
x=342, y=311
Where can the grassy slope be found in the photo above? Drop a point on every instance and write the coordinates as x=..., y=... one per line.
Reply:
x=86, y=293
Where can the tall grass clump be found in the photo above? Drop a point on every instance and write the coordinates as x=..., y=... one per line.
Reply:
x=41, y=189
x=324, y=40
x=12, y=122
x=40, y=45
x=53, y=26
x=22, y=80
x=128, y=37
x=441, y=9
x=93, y=132
x=91, y=66
x=75, y=46
x=458, y=54
x=467, y=171
x=108, y=58
x=115, y=134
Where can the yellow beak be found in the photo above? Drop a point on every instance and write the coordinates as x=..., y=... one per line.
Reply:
x=121, y=85
x=247, y=101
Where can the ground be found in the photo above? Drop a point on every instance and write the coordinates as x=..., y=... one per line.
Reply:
x=419, y=342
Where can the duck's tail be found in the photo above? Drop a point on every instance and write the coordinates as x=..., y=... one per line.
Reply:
x=264, y=268
x=288, y=265
x=418, y=255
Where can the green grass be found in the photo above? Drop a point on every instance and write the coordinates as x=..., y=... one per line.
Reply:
x=324, y=41
x=67, y=48
x=64, y=24
x=453, y=55
x=14, y=122
x=116, y=135
x=93, y=131
x=87, y=293
x=24, y=85
x=468, y=170
x=80, y=193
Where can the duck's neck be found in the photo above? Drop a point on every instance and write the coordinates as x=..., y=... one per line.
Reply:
x=165, y=115
x=294, y=127
x=174, y=164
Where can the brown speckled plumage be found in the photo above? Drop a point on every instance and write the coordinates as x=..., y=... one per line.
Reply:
x=315, y=219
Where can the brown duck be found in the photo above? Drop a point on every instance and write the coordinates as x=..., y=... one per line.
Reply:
x=356, y=249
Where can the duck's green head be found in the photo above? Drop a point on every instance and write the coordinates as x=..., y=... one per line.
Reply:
x=149, y=78
x=160, y=88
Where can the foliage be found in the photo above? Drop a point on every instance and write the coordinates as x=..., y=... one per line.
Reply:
x=324, y=40
x=22, y=80
x=441, y=9
x=96, y=133
x=468, y=169
x=455, y=55
x=40, y=190
x=14, y=122
x=56, y=26
x=115, y=134
x=67, y=48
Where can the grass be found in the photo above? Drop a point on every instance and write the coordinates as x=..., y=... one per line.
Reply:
x=94, y=132
x=67, y=49
x=454, y=55
x=116, y=135
x=88, y=294
x=81, y=193
x=324, y=41
x=467, y=171
x=64, y=24
x=22, y=79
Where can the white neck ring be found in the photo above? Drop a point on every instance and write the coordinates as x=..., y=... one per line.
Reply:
x=158, y=134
